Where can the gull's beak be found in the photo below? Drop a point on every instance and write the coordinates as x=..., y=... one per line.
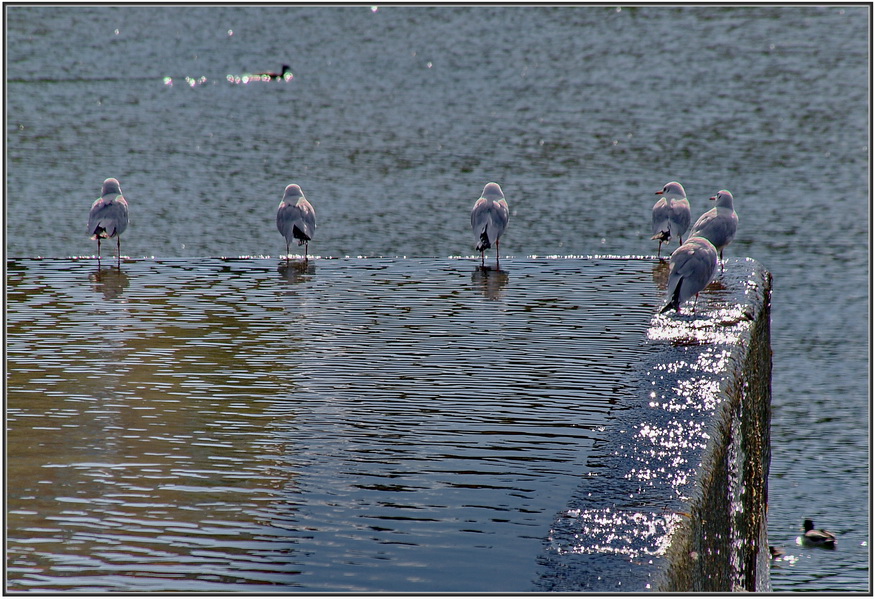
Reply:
x=659, y=193
x=713, y=198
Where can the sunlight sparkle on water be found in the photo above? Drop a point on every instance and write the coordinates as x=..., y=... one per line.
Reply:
x=629, y=533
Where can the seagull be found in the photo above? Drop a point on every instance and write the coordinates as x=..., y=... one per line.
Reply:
x=691, y=268
x=718, y=225
x=489, y=219
x=108, y=217
x=295, y=218
x=817, y=538
x=671, y=214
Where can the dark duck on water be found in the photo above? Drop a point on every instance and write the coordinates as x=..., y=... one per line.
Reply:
x=817, y=538
x=276, y=76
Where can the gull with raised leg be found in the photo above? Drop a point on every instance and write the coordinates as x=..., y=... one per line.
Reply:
x=671, y=215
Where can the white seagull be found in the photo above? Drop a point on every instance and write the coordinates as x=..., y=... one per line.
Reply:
x=108, y=217
x=671, y=215
x=295, y=218
x=718, y=225
x=691, y=268
x=489, y=219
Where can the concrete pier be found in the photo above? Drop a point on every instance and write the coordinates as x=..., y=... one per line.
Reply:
x=676, y=497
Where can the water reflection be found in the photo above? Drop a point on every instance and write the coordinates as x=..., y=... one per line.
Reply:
x=221, y=437
x=110, y=282
x=489, y=281
x=295, y=271
x=660, y=275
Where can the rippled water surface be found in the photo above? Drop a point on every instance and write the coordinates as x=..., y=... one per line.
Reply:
x=394, y=120
x=349, y=425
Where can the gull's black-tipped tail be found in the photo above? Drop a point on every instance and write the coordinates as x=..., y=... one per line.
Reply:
x=672, y=305
x=483, y=244
x=675, y=303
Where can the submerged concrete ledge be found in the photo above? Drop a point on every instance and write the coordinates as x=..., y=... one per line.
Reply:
x=676, y=496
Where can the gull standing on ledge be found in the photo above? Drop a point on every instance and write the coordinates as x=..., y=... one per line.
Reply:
x=109, y=216
x=691, y=268
x=295, y=218
x=489, y=219
x=671, y=215
x=718, y=225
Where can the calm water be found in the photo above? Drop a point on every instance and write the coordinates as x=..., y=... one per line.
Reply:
x=397, y=117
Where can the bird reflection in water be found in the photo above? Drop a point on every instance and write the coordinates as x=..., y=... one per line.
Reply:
x=296, y=272
x=490, y=281
x=111, y=282
x=660, y=275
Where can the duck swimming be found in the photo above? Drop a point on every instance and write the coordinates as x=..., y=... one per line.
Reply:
x=275, y=76
x=817, y=538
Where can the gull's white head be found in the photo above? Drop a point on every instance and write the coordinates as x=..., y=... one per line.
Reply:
x=673, y=191
x=111, y=186
x=492, y=191
x=723, y=199
x=292, y=192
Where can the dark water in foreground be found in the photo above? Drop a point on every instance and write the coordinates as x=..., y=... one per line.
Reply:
x=358, y=425
x=395, y=120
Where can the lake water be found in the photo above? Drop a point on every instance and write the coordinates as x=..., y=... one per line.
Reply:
x=358, y=425
x=394, y=120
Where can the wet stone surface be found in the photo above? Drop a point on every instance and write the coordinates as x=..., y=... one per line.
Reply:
x=644, y=473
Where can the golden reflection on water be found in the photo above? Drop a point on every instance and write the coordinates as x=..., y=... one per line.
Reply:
x=189, y=425
x=491, y=282
x=109, y=282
